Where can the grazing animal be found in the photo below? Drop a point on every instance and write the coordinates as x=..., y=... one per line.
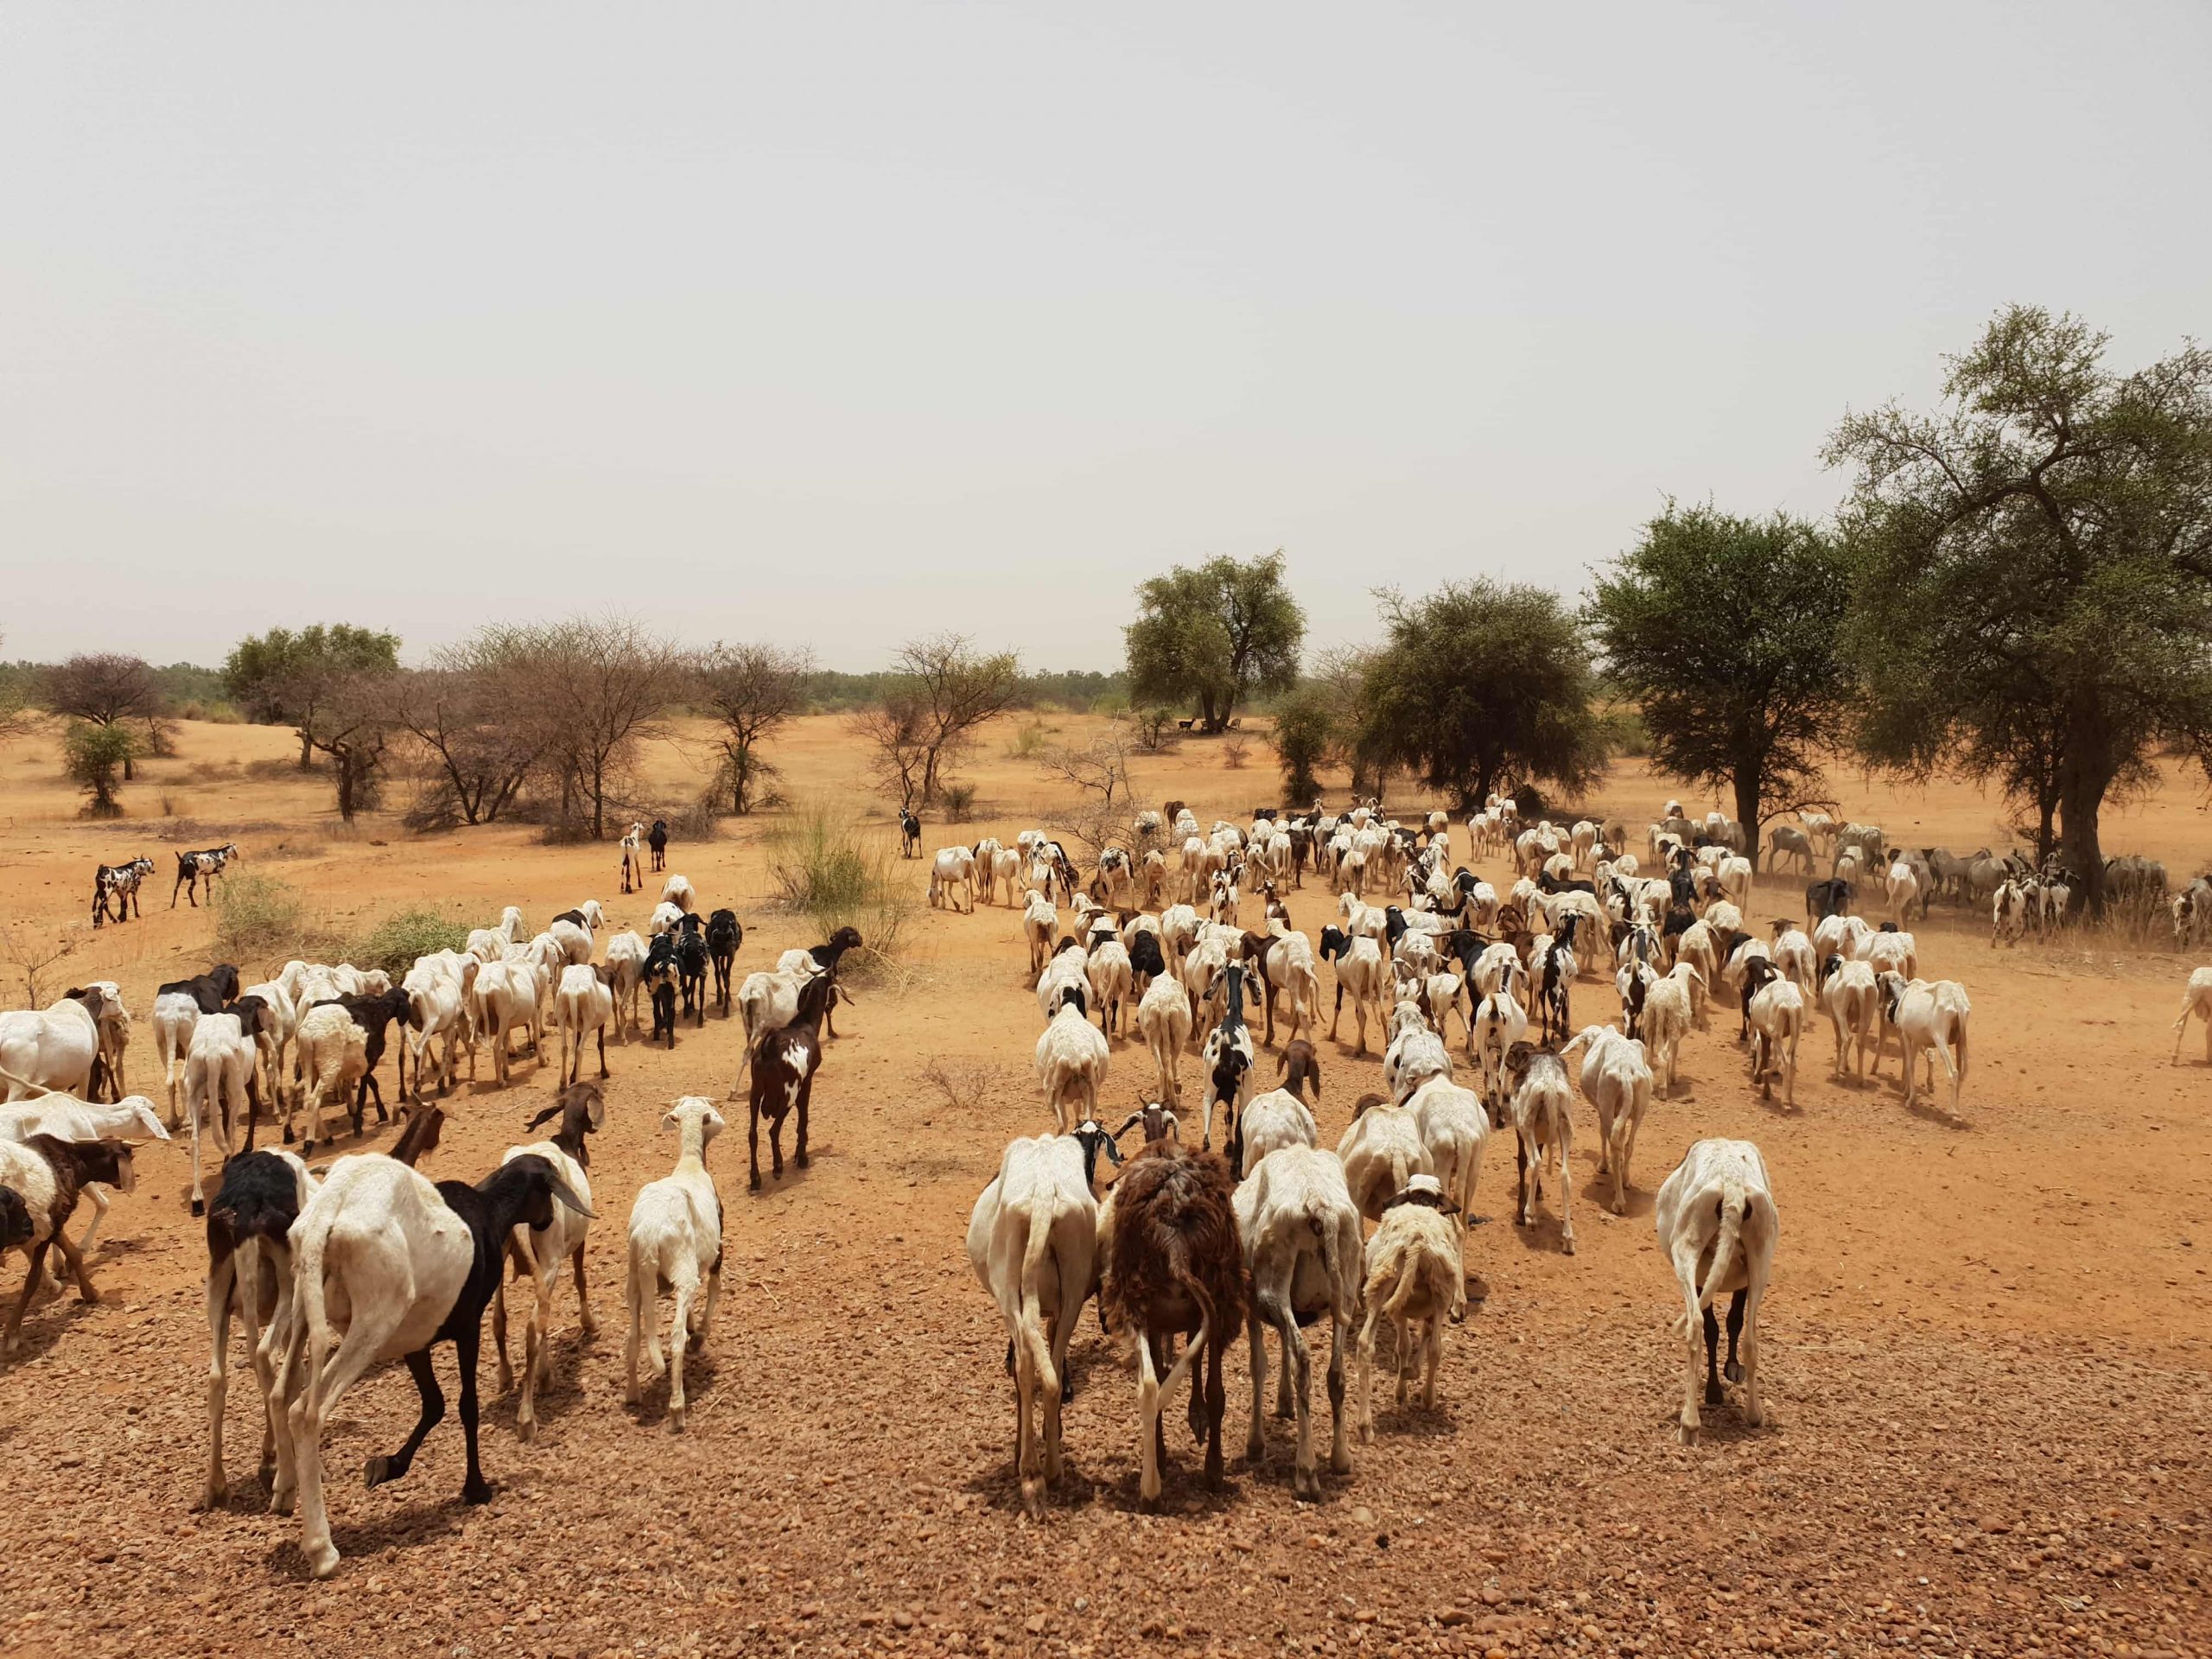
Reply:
x=1717, y=1225
x=1414, y=1277
x=46, y=1176
x=676, y=1241
x=783, y=1074
x=1164, y=1017
x=1228, y=1058
x=1931, y=1021
x=539, y=1251
x=250, y=1274
x=2196, y=999
x=910, y=835
x=1177, y=1268
x=387, y=1266
x=1543, y=1122
x=1616, y=1080
x=193, y=868
x=1297, y=1066
x=725, y=933
x=656, y=839
x=660, y=977
x=691, y=959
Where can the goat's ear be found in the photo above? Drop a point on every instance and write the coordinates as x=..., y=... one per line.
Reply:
x=845, y=994
x=560, y=1190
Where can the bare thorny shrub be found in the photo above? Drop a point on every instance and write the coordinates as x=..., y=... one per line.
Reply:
x=963, y=1082
x=31, y=952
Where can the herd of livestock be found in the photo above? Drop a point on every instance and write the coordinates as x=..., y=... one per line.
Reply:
x=334, y=1267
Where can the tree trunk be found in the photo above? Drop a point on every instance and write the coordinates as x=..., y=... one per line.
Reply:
x=345, y=787
x=1748, y=781
x=129, y=771
x=306, y=751
x=1213, y=720
x=2082, y=798
x=598, y=802
x=2046, y=837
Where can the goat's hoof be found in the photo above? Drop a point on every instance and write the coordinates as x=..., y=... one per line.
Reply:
x=1733, y=1370
x=287, y=1137
x=212, y=1496
x=1567, y=1248
x=478, y=1490
x=676, y=1421
x=199, y=1207
x=1688, y=1432
x=525, y=1431
x=378, y=1471
x=1067, y=1390
x=752, y=1185
x=322, y=1562
x=1714, y=1394
x=802, y=1161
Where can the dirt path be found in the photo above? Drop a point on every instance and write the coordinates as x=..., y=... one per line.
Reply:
x=1986, y=1341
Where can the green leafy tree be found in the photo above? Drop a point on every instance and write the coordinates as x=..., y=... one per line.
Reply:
x=1726, y=632
x=1212, y=637
x=106, y=689
x=2034, y=600
x=93, y=756
x=282, y=677
x=1305, y=731
x=1479, y=682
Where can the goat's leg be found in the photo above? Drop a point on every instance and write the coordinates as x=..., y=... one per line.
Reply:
x=220, y=1275
x=1733, y=1372
x=499, y=1329
x=1434, y=1345
x=752, y=1141
x=383, y=1468
x=1255, y=1446
x=1217, y=1404
x=1366, y=1411
x=807, y=1099
x=1748, y=1301
x=1151, y=1443
x=474, y=1489
x=1298, y=1364
x=75, y=1262
x=93, y=1191
x=1340, y=1339
x=679, y=1338
x=585, y=1322
x=1713, y=1392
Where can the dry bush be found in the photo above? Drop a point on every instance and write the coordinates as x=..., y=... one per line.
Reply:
x=1234, y=752
x=259, y=918
x=963, y=1082
x=821, y=869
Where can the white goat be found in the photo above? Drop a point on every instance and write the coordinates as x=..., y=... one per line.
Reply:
x=1072, y=1058
x=1853, y=1004
x=1301, y=1237
x=1930, y=1021
x=1454, y=1128
x=1717, y=1225
x=676, y=1238
x=1543, y=1122
x=1413, y=1276
x=582, y=1007
x=1616, y=1080
x=2196, y=999
x=1164, y=1017
x=217, y=1071
x=1381, y=1152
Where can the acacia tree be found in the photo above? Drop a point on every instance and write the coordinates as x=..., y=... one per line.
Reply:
x=1305, y=730
x=892, y=732
x=104, y=689
x=1726, y=632
x=754, y=691
x=1212, y=637
x=282, y=677
x=1478, y=682
x=469, y=712
x=949, y=690
x=356, y=718
x=597, y=689
x=92, y=755
x=2035, y=602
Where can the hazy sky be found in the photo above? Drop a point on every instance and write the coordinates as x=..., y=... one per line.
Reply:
x=837, y=323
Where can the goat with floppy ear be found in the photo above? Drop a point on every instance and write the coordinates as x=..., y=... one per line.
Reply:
x=1160, y=1123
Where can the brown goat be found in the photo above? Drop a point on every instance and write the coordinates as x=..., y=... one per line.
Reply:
x=1297, y=1065
x=1177, y=1270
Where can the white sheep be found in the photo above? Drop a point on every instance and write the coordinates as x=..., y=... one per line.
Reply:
x=1071, y=1063
x=437, y=990
x=675, y=1239
x=175, y=1012
x=1717, y=1225
x=1414, y=1277
x=1068, y=973
x=1301, y=1237
x=1164, y=1017
x=2196, y=999
x=1033, y=1239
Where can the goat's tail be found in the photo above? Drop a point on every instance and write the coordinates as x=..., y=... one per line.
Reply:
x=13, y=1081
x=1179, y=1268
x=1723, y=1252
x=1036, y=1343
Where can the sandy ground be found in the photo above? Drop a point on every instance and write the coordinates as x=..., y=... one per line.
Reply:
x=1986, y=1346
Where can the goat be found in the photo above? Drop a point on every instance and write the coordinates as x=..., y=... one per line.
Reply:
x=953, y=867
x=506, y=995
x=1176, y=1267
x=1275, y=1120
x=249, y=1273
x=1853, y=1003
x=1414, y=1272
x=1716, y=1223
x=45, y=1175
x=1164, y=1018
x=582, y=1007
x=55, y=1048
x=1032, y=1239
x=725, y=933
x=1362, y=970
x=656, y=839
x=2196, y=999
x=116, y=885
x=1454, y=1128
x=539, y=1251
x=193, y=868
x=1543, y=1122
x=783, y=1073
x=1228, y=1058
x=1302, y=1238
x=1071, y=1063
x=401, y=1265
x=374, y=1013
x=1381, y=1150
x=1297, y=1065
x=675, y=1239
x=634, y=859
x=1616, y=1080
x=910, y=835
x=1930, y=1018
x=1775, y=1009
x=691, y=973
x=221, y=1081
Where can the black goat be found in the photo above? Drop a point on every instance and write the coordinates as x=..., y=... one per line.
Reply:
x=725, y=933
x=1825, y=898
x=829, y=954
x=691, y=970
x=211, y=990
x=374, y=1016
x=660, y=976
x=656, y=838
x=910, y=835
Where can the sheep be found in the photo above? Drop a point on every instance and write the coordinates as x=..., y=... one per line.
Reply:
x=1381, y=1150
x=1164, y=1018
x=1415, y=1053
x=1413, y=1272
x=582, y=1007
x=539, y=1251
x=398, y=1265
x=1111, y=981
x=1274, y=1119
x=953, y=867
x=2196, y=999
x=330, y=1058
x=1032, y=1239
x=676, y=1238
x=506, y=996
x=1853, y=1003
x=220, y=1087
x=1175, y=1267
x=1717, y=1225
x=54, y=1047
x=1928, y=1018
x=1302, y=1238
x=1543, y=1122
x=1776, y=1010
x=691, y=971
x=1071, y=1063
x=374, y=1011
x=1616, y=1080
x=490, y=943
x=249, y=1273
x=784, y=1069
x=1228, y=1058
x=1454, y=1128
x=1362, y=970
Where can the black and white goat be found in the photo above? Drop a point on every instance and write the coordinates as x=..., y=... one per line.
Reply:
x=193, y=868
x=117, y=885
